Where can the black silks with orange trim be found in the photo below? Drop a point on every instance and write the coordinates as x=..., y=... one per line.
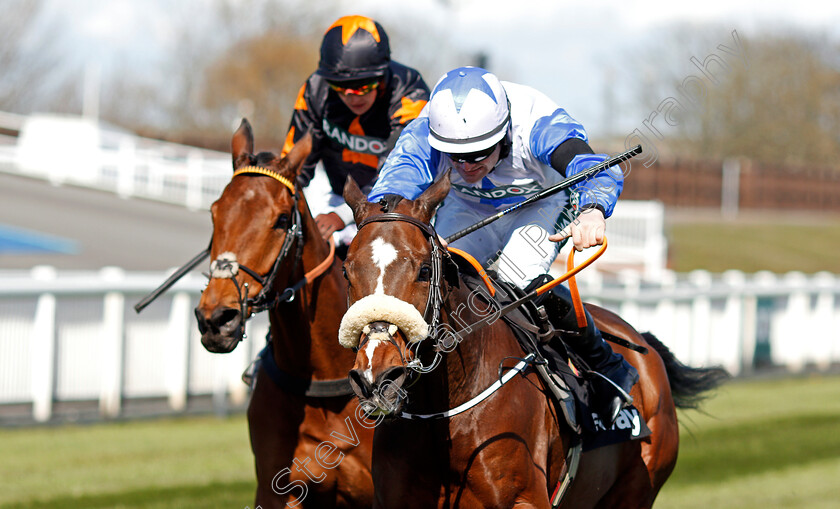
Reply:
x=350, y=144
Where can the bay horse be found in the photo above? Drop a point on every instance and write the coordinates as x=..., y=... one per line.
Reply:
x=309, y=443
x=448, y=443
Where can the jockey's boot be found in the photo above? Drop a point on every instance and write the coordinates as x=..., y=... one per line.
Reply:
x=613, y=376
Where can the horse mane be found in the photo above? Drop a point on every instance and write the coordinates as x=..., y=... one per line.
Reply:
x=389, y=202
x=264, y=158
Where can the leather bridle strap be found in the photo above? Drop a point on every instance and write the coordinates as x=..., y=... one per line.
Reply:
x=395, y=216
x=435, y=299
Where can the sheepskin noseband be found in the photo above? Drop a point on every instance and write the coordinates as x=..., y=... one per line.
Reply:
x=381, y=308
x=225, y=266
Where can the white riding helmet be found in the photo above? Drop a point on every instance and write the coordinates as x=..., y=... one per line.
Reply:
x=468, y=111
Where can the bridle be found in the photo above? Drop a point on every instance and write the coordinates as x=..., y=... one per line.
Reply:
x=434, y=301
x=228, y=267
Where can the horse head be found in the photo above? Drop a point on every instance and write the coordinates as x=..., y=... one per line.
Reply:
x=254, y=221
x=393, y=269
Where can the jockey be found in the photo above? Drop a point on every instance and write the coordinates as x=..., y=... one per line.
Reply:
x=507, y=142
x=355, y=105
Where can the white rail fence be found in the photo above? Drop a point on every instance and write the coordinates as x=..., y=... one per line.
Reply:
x=95, y=155
x=74, y=337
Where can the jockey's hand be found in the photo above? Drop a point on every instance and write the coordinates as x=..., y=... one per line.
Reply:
x=586, y=230
x=329, y=224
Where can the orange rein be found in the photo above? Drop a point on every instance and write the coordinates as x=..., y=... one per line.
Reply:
x=477, y=266
x=571, y=270
x=322, y=267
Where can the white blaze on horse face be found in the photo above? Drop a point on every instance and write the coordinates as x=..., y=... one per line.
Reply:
x=369, y=349
x=383, y=253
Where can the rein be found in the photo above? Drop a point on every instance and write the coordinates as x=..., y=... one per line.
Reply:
x=486, y=393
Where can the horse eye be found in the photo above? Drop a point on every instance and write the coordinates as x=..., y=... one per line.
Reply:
x=282, y=222
x=344, y=273
x=425, y=273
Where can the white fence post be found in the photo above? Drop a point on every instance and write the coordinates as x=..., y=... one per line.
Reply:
x=826, y=323
x=177, y=355
x=43, y=348
x=794, y=334
x=112, y=345
x=665, y=315
x=733, y=321
x=701, y=318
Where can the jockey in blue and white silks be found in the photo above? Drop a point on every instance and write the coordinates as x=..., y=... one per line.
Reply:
x=539, y=145
x=506, y=142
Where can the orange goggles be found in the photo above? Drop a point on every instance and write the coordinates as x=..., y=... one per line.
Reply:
x=362, y=90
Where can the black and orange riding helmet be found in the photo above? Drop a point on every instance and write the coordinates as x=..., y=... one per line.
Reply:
x=354, y=48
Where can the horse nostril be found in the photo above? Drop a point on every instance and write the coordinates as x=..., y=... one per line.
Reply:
x=359, y=384
x=224, y=318
x=394, y=376
x=202, y=322
x=390, y=387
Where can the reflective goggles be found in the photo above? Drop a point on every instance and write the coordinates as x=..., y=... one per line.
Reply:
x=360, y=90
x=472, y=157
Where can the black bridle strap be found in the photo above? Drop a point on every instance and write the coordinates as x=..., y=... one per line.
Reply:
x=435, y=299
x=395, y=216
x=262, y=301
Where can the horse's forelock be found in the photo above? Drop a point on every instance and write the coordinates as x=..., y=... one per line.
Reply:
x=264, y=158
x=389, y=202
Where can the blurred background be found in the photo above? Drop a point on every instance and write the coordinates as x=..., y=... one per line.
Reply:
x=115, y=126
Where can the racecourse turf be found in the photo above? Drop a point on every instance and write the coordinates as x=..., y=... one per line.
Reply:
x=772, y=241
x=759, y=444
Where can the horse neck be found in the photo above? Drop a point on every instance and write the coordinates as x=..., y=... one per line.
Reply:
x=473, y=365
x=305, y=330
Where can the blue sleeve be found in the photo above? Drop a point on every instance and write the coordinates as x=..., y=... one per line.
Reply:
x=550, y=131
x=409, y=169
x=602, y=189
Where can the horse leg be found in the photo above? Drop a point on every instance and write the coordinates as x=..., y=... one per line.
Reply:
x=273, y=427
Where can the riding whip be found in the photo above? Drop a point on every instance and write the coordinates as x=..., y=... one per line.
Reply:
x=556, y=188
x=171, y=280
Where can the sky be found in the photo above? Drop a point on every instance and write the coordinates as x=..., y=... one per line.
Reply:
x=559, y=47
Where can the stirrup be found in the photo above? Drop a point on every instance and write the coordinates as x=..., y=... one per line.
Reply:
x=563, y=395
x=249, y=376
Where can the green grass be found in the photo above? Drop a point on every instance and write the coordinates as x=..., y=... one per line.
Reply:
x=775, y=244
x=189, y=462
x=759, y=444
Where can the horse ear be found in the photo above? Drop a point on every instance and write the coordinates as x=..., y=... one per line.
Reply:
x=299, y=153
x=426, y=204
x=356, y=199
x=242, y=144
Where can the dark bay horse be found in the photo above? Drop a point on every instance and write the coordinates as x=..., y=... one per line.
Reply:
x=267, y=253
x=448, y=447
